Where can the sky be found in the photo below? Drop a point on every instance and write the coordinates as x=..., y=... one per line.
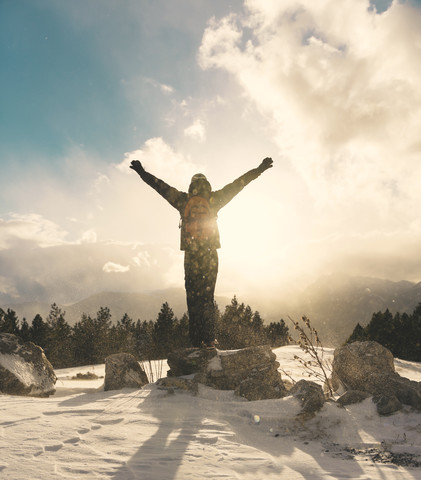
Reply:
x=331, y=90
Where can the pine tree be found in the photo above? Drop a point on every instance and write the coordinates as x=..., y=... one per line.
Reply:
x=258, y=330
x=164, y=331
x=181, y=332
x=59, y=338
x=359, y=334
x=401, y=334
x=84, y=341
x=24, y=331
x=144, y=340
x=381, y=329
x=102, y=324
x=277, y=334
x=38, y=331
x=122, y=336
x=9, y=322
x=235, y=326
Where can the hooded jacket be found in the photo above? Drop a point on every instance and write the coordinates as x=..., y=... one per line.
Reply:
x=201, y=187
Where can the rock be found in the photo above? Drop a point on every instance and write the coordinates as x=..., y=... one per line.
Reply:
x=24, y=368
x=352, y=396
x=261, y=386
x=310, y=395
x=189, y=360
x=405, y=390
x=353, y=363
x=387, y=404
x=246, y=371
x=369, y=367
x=123, y=371
x=251, y=372
x=178, y=383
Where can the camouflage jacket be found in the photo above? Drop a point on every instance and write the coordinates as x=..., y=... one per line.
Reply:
x=217, y=200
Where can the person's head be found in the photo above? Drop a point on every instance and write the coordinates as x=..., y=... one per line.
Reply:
x=199, y=185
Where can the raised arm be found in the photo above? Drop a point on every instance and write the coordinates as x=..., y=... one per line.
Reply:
x=173, y=196
x=226, y=194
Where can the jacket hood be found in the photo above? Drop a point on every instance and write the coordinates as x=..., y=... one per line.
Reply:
x=199, y=185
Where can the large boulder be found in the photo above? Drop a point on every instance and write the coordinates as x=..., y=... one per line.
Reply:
x=369, y=367
x=251, y=372
x=355, y=362
x=122, y=370
x=24, y=368
x=230, y=368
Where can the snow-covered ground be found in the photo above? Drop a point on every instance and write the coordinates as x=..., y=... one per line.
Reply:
x=83, y=432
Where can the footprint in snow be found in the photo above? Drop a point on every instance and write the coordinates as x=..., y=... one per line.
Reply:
x=109, y=422
x=73, y=440
x=53, y=448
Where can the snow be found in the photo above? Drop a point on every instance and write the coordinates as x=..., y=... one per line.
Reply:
x=83, y=432
x=215, y=364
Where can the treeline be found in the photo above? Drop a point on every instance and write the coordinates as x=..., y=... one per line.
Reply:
x=400, y=333
x=93, y=338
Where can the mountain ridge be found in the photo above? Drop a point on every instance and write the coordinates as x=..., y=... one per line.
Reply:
x=334, y=303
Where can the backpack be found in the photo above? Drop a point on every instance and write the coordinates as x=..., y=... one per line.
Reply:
x=198, y=221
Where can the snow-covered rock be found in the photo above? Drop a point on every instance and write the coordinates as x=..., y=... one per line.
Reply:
x=251, y=372
x=24, y=368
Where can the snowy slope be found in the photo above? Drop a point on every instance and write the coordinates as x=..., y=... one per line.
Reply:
x=85, y=433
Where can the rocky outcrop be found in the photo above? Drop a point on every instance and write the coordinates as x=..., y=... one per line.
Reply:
x=24, y=368
x=369, y=367
x=123, y=371
x=251, y=372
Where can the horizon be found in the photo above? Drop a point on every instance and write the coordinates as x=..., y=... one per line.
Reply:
x=329, y=91
x=330, y=302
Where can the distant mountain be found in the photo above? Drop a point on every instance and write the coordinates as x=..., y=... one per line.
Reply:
x=28, y=310
x=336, y=303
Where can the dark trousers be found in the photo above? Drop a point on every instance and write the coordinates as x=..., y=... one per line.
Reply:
x=200, y=272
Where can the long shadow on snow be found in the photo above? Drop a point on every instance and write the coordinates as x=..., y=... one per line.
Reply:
x=187, y=429
x=161, y=455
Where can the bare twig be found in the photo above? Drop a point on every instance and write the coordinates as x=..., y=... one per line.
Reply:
x=309, y=342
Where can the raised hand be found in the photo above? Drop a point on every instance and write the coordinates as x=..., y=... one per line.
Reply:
x=266, y=163
x=137, y=166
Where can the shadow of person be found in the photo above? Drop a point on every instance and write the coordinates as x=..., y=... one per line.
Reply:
x=206, y=436
x=161, y=454
x=214, y=435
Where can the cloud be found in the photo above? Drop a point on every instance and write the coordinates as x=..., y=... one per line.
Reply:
x=338, y=83
x=69, y=272
x=196, y=131
x=111, y=267
x=30, y=227
x=338, y=75
x=161, y=159
x=89, y=236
